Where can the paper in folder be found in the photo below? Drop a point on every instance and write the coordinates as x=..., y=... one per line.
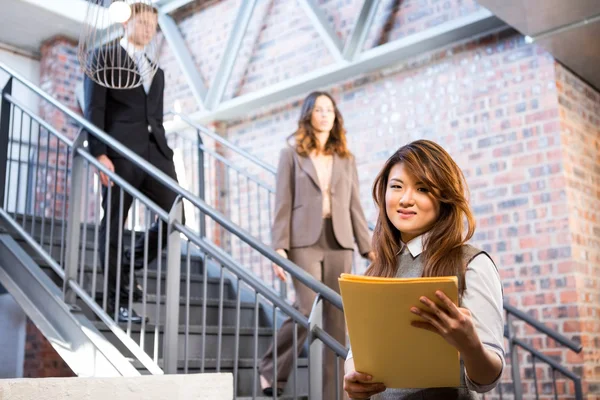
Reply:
x=384, y=344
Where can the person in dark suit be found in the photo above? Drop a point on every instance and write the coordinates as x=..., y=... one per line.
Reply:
x=134, y=117
x=318, y=219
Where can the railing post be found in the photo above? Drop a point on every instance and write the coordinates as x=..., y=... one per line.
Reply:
x=4, y=137
x=201, y=184
x=315, y=355
x=514, y=360
x=578, y=390
x=74, y=218
x=170, y=345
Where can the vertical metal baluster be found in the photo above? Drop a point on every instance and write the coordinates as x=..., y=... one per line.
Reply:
x=45, y=191
x=85, y=220
x=255, y=365
x=119, y=253
x=158, y=289
x=239, y=200
x=18, y=161
x=35, y=185
x=554, y=384
x=96, y=231
x=236, y=356
x=535, y=383
x=53, y=216
x=295, y=371
x=261, y=260
x=220, y=325
x=275, y=377
x=250, y=263
x=107, y=244
x=66, y=198
x=10, y=158
x=188, y=271
x=270, y=225
x=28, y=184
x=204, y=299
x=211, y=198
x=147, y=220
x=131, y=268
x=6, y=120
x=337, y=375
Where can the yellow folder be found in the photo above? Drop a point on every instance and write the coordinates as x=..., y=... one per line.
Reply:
x=384, y=344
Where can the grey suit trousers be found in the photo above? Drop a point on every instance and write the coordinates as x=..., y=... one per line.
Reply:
x=325, y=261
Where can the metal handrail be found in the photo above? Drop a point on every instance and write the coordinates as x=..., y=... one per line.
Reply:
x=576, y=347
x=216, y=137
x=222, y=159
x=296, y=272
x=242, y=273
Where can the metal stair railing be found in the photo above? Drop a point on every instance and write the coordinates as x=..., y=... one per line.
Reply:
x=238, y=184
x=514, y=316
x=268, y=172
x=63, y=174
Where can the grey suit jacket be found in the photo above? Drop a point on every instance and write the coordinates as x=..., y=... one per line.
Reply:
x=299, y=202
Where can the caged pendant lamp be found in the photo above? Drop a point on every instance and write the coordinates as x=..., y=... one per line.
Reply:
x=118, y=43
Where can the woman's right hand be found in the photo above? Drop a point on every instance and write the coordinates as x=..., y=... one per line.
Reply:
x=277, y=270
x=358, y=385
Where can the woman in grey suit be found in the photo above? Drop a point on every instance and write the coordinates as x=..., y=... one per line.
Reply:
x=318, y=217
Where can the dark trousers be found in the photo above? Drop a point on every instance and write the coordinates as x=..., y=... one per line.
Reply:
x=110, y=224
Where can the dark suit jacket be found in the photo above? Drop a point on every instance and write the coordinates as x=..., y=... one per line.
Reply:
x=128, y=115
x=299, y=203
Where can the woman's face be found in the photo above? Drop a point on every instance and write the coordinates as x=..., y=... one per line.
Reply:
x=323, y=115
x=410, y=206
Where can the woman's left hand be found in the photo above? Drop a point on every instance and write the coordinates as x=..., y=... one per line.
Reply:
x=453, y=323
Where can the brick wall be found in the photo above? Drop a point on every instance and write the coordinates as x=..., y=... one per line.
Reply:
x=59, y=76
x=514, y=120
x=41, y=360
x=579, y=108
x=281, y=42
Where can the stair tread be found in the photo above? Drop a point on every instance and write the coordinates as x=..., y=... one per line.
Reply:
x=301, y=396
x=211, y=363
x=197, y=301
x=193, y=329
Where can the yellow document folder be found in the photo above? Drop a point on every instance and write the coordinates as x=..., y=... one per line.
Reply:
x=384, y=344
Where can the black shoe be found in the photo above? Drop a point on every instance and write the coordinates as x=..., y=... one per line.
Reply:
x=123, y=316
x=268, y=391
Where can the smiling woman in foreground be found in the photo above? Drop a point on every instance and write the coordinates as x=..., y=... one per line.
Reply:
x=420, y=231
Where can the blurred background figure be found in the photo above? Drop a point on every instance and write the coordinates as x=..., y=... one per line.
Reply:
x=318, y=218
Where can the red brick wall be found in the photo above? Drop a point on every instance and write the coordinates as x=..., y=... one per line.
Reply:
x=41, y=360
x=493, y=104
x=514, y=120
x=579, y=108
x=281, y=41
x=60, y=73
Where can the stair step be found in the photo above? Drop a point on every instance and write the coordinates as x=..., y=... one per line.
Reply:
x=212, y=308
x=247, y=375
x=196, y=308
x=194, y=346
x=196, y=261
x=283, y=397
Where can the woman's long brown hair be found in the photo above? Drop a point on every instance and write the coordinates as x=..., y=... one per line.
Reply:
x=429, y=163
x=305, y=138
